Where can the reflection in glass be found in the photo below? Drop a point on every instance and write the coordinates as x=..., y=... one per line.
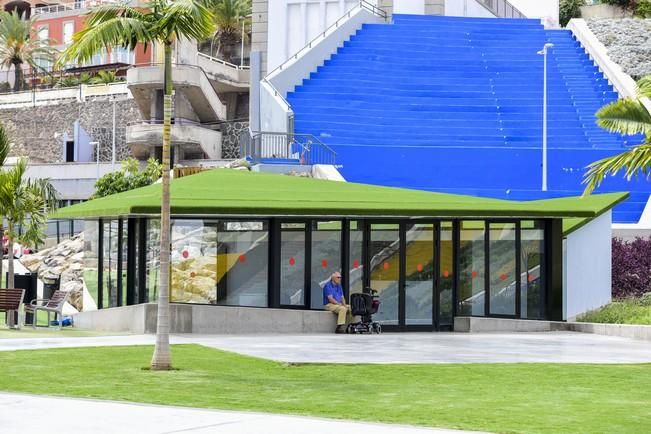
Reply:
x=91, y=253
x=110, y=264
x=356, y=262
x=152, y=257
x=384, y=249
x=326, y=257
x=446, y=275
x=292, y=264
x=419, y=274
x=471, y=268
x=124, y=245
x=532, y=250
x=193, y=261
x=242, y=263
x=503, y=282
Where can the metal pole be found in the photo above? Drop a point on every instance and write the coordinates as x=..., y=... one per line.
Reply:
x=544, y=146
x=113, y=150
x=96, y=145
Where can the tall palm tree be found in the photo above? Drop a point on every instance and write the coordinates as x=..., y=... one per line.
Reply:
x=624, y=116
x=4, y=152
x=25, y=202
x=230, y=15
x=19, y=45
x=164, y=22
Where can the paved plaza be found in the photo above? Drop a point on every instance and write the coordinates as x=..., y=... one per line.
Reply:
x=544, y=347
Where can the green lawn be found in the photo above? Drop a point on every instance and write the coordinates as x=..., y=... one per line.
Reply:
x=534, y=398
x=631, y=311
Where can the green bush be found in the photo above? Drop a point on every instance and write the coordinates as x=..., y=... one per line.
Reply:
x=569, y=9
x=628, y=311
x=5, y=87
x=128, y=178
x=643, y=9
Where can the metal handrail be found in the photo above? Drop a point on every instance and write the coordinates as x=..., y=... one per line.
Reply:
x=223, y=62
x=259, y=145
x=494, y=7
x=363, y=4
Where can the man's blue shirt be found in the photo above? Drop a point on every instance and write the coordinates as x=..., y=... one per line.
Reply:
x=333, y=289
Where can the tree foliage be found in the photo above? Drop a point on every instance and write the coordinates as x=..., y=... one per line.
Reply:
x=625, y=116
x=229, y=17
x=631, y=267
x=19, y=45
x=569, y=9
x=128, y=177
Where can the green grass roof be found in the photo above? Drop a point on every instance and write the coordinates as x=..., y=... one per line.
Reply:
x=233, y=192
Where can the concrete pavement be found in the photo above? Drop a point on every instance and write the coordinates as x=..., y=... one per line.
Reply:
x=22, y=413
x=543, y=347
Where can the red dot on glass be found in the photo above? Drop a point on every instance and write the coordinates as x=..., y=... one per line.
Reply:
x=185, y=254
x=386, y=265
x=355, y=263
x=446, y=273
x=503, y=276
x=324, y=263
x=419, y=267
x=530, y=278
x=473, y=274
x=292, y=261
x=242, y=258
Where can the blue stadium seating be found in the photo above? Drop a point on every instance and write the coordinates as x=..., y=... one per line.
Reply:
x=455, y=105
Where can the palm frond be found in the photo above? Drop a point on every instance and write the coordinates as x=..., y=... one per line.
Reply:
x=633, y=162
x=644, y=87
x=4, y=145
x=625, y=116
x=186, y=19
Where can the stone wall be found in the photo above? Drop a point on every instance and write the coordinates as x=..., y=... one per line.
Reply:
x=38, y=132
x=628, y=42
x=231, y=139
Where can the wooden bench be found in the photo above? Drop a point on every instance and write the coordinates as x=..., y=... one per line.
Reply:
x=10, y=301
x=53, y=304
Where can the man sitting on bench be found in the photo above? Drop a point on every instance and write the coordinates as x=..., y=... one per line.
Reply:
x=334, y=301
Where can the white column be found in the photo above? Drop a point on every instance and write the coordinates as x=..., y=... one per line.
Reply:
x=415, y=7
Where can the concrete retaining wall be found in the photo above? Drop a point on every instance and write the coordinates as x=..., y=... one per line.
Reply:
x=186, y=318
x=499, y=325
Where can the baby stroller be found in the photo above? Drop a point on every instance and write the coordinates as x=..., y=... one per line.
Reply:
x=364, y=305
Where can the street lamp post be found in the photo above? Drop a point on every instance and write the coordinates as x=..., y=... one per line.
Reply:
x=543, y=52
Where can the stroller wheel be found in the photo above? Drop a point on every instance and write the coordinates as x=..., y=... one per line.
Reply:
x=377, y=328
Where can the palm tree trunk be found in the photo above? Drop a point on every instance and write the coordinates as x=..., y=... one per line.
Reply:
x=10, y=257
x=2, y=252
x=18, y=77
x=162, y=358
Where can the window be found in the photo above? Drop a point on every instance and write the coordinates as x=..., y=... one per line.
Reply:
x=471, y=290
x=502, y=269
x=326, y=257
x=292, y=264
x=532, y=252
x=384, y=253
x=68, y=32
x=91, y=251
x=419, y=274
x=446, y=274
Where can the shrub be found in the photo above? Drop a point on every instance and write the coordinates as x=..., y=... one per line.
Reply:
x=631, y=271
x=643, y=9
x=5, y=87
x=569, y=9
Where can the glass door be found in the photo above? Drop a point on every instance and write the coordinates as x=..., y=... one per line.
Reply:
x=384, y=269
x=292, y=265
x=420, y=270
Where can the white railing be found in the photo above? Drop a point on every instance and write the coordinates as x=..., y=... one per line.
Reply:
x=274, y=87
x=80, y=93
x=222, y=62
x=63, y=7
x=621, y=81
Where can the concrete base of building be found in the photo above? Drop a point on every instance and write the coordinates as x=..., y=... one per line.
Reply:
x=503, y=325
x=185, y=318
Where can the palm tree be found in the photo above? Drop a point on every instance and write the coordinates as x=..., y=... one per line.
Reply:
x=24, y=202
x=230, y=15
x=164, y=22
x=4, y=151
x=18, y=46
x=624, y=116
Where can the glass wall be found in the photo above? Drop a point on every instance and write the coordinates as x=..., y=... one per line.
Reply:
x=471, y=289
x=446, y=274
x=110, y=263
x=91, y=257
x=532, y=252
x=152, y=257
x=123, y=227
x=384, y=254
x=194, y=261
x=325, y=257
x=419, y=274
x=292, y=264
x=242, y=263
x=502, y=268
x=355, y=259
